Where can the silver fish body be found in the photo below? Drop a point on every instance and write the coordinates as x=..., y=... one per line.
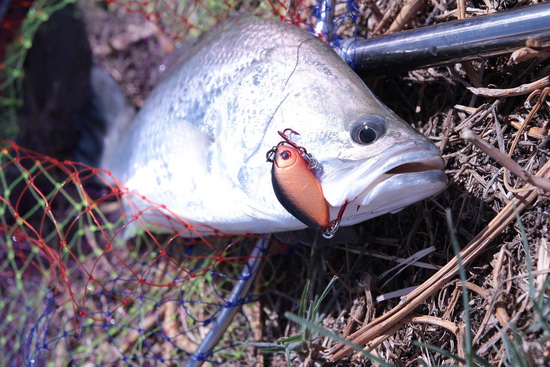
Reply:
x=199, y=143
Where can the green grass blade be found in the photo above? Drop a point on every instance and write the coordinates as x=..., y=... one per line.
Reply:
x=337, y=338
x=465, y=294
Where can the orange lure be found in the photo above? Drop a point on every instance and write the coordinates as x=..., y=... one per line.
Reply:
x=295, y=184
x=297, y=188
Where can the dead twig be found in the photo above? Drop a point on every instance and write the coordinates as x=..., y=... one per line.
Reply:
x=500, y=306
x=526, y=53
x=389, y=13
x=534, y=132
x=510, y=92
x=505, y=160
x=543, y=264
x=406, y=15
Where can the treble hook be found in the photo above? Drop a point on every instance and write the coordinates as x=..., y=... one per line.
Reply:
x=330, y=230
x=289, y=141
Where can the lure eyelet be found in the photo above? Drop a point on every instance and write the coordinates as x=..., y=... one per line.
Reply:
x=368, y=129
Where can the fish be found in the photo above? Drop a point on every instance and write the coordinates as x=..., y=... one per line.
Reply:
x=198, y=145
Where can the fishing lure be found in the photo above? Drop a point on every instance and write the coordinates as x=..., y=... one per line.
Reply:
x=296, y=186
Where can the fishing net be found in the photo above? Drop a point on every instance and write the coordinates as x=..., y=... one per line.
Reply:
x=73, y=283
x=77, y=285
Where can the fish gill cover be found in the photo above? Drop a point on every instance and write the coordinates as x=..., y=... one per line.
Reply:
x=75, y=291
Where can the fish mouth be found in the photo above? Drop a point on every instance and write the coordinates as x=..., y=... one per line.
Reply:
x=399, y=177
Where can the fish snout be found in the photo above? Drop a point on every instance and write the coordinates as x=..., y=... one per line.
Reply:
x=400, y=176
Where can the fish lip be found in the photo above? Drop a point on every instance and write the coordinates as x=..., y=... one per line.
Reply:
x=413, y=159
x=390, y=197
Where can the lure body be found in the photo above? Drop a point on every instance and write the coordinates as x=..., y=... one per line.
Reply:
x=297, y=188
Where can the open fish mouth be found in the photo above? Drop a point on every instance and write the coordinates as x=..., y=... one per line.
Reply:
x=403, y=176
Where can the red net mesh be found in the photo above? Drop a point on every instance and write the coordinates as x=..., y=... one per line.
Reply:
x=69, y=270
x=185, y=19
x=12, y=14
x=81, y=282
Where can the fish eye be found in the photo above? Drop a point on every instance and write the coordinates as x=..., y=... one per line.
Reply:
x=367, y=129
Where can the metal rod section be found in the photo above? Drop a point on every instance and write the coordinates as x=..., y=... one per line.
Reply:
x=325, y=15
x=222, y=321
x=451, y=42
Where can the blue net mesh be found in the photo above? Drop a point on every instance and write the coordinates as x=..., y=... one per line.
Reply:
x=73, y=288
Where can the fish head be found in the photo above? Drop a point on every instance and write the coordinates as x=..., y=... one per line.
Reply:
x=385, y=168
x=379, y=166
x=368, y=156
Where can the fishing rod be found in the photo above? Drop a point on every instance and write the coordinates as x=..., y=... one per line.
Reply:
x=238, y=294
x=451, y=42
x=325, y=21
